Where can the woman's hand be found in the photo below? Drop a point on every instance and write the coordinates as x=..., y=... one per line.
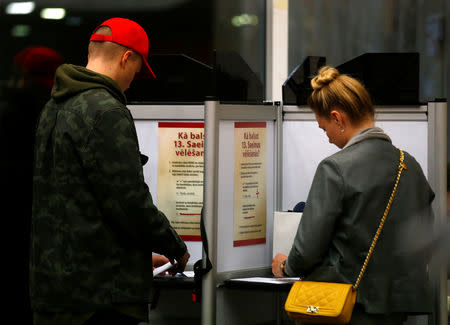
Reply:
x=276, y=265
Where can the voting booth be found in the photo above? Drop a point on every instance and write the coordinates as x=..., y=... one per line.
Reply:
x=418, y=128
x=179, y=131
x=169, y=114
x=255, y=159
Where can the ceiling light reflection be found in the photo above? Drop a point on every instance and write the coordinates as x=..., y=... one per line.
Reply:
x=53, y=13
x=20, y=8
x=20, y=31
x=244, y=20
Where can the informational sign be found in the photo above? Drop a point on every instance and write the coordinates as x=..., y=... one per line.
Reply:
x=180, y=176
x=249, y=183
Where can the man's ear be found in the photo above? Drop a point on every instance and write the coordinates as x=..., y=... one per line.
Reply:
x=125, y=57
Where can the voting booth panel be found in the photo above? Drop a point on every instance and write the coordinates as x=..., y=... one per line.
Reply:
x=240, y=158
x=237, y=162
x=246, y=257
x=230, y=257
x=305, y=145
x=147, y=122
x=398, y=113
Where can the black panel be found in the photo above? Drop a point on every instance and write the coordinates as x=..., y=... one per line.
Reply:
x=297, y=88
x=236, y=82
x=390, y=78
x=179, y=79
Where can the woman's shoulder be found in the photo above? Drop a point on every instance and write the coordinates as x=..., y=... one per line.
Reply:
x=366, y=153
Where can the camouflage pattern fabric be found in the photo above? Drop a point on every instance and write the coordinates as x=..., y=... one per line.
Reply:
x=94, y=224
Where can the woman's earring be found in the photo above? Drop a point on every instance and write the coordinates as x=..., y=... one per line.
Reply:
x=342, y=130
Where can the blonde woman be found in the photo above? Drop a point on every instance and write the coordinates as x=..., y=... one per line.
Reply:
x=346, y=201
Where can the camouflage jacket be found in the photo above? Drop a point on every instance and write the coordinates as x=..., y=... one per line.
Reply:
x=94, y=224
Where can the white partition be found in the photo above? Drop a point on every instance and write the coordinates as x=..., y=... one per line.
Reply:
x=146, y=118
x=231, y=258
x=229, y=261
x=305, y=145
x=147, y=132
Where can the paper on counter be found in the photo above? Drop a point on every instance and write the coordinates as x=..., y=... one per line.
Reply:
x=189, y=274
x=267, y=280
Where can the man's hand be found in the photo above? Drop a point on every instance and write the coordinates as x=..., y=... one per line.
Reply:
x=180, y=263
x=159, y=260
x=276, y=265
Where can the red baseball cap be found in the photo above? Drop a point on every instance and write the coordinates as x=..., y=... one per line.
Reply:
x=129, y=34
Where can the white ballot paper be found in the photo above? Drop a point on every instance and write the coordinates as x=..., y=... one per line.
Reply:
x=285, y=225
x=162, y=268
x=267, y=280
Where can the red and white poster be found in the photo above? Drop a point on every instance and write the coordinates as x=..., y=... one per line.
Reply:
x=249, y=183
x=180, y=175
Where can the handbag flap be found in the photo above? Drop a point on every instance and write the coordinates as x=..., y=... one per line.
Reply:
x=320, y=298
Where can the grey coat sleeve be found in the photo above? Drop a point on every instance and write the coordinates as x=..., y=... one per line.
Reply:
x=316, y=228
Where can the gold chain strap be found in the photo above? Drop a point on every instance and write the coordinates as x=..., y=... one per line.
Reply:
x=401, y=166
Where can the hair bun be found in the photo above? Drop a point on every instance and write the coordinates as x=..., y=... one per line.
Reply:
x=326, y=75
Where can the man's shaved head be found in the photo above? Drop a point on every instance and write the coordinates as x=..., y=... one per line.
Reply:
x=107, y=50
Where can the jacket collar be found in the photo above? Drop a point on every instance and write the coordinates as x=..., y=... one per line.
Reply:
x=71, y=80
x=369, y=133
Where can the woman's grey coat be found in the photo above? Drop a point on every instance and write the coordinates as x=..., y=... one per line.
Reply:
x=345, y=204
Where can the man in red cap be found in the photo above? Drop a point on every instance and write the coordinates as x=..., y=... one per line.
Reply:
x=94, y=224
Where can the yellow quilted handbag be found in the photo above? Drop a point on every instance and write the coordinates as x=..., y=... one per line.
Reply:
x=321, y=302
x=332, y=303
